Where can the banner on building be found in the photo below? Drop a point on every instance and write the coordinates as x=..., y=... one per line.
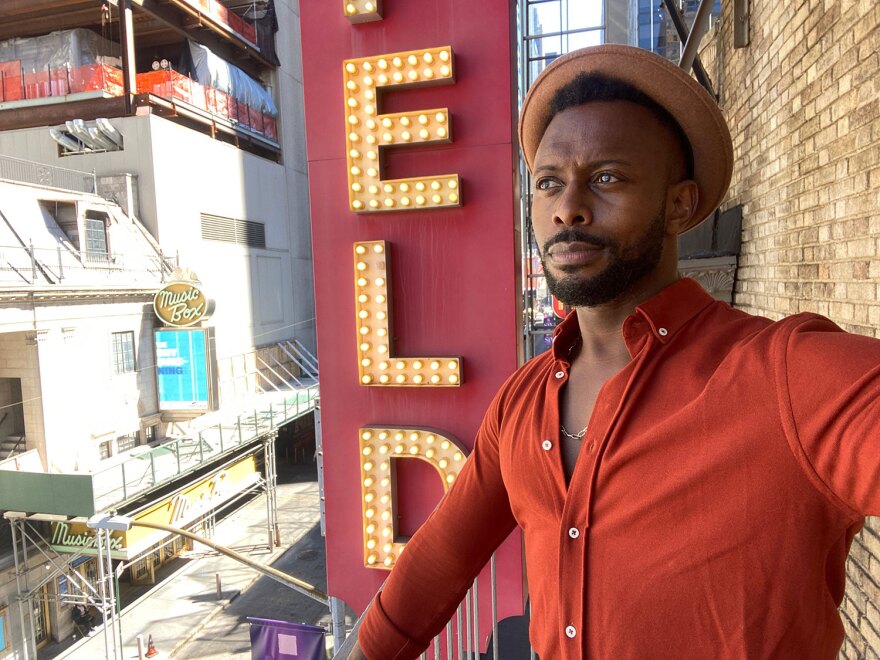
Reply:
x=184, y=369
x=179, y=510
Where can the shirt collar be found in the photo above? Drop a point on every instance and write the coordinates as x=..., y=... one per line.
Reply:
x=665, y=314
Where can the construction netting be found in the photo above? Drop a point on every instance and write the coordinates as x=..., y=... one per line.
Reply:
x=57, y=64
x=218, y=87
x=79, y=60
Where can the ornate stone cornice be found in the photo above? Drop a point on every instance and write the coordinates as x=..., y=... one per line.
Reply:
x=716, y=274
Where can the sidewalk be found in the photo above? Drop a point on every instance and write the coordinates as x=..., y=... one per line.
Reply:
x=176, y=610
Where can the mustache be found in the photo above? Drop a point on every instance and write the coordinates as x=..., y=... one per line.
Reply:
x=571, y=235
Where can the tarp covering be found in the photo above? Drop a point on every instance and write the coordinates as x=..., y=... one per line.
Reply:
x=212, y=70
x=66, y=49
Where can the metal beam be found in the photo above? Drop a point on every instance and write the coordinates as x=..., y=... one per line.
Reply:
x=682, y=31
x=36, y=23
x=58, y=113
x=126, y=39
x=699, y=27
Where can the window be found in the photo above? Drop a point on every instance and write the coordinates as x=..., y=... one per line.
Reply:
x=149, y=434
x=95, y=225
x=105, y=450
x=126, y=442
x=123, y=352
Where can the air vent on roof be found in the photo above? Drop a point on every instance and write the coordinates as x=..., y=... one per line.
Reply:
x=232, y=230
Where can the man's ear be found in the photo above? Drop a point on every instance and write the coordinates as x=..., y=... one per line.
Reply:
x=681, y=203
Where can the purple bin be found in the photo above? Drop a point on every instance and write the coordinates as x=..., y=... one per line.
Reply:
x=282, y=640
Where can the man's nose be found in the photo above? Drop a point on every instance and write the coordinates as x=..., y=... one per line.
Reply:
x=573, y=206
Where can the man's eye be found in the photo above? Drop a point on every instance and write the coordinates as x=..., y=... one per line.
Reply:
x=605, y=177
x=545, y=184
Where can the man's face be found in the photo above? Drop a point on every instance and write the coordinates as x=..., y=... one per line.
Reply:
x=599, y=209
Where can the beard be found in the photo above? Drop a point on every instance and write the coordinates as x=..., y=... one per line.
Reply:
x=627, y=266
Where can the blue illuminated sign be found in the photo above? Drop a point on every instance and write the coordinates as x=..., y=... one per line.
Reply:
x=182, y=369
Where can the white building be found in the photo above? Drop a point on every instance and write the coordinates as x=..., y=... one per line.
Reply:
x=142, y=143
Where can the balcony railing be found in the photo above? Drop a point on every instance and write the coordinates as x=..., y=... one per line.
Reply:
x=30, y=266
x=148, y=470
x=26, y=171
x=464, y=637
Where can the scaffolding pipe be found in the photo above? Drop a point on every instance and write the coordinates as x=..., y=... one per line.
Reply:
x=121, y=522
x=24, y=636
x=307, y=355
x=698, y=29
x=298, y=363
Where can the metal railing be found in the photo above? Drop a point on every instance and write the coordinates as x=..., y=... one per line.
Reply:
x=51, y=176
x=15, y=445
x=20, y=265
x=150, y=469
x=462, y=635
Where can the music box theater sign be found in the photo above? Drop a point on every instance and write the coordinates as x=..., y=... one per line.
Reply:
x=180, y=304
x=184, y=357
x=181, y=509
x=409, y=122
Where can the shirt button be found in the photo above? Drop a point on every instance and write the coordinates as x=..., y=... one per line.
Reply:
x=570, y=632
x=560, y=374
x=574, y=532
x=546, y=445
x=663, y=331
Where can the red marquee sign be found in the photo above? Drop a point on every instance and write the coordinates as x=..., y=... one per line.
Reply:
x=410, y=123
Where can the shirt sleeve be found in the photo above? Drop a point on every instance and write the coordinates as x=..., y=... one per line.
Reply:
x=440, y=562
x=832, y=381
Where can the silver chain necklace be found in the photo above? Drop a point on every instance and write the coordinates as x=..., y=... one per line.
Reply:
x=574, y=436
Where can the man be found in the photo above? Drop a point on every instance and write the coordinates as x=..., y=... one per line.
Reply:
x=83, y=619
x=688, y=477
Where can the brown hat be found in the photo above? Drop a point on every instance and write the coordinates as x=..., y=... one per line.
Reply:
x=668, y=85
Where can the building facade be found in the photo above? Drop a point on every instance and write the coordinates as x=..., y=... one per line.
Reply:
x=802, y=102
x=144, y=145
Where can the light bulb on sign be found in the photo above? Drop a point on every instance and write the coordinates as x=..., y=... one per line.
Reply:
x=408, y=68
x=377, y=359
x=378, y=489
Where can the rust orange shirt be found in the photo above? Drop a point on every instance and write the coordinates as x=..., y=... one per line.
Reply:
x=724, y=473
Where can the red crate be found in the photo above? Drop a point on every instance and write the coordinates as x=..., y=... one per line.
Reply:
x=172, y=85
x=95, y=77
x=237, y=110
x=269, y=127
x=11, y=81
x=154, y=82
x=44, y=84
x=218, y=102
x=255, y=119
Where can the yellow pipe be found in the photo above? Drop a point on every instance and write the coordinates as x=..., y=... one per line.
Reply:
x=268, y=571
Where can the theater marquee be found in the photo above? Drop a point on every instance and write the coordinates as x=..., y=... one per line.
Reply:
x=179, y=510
x=409, y=123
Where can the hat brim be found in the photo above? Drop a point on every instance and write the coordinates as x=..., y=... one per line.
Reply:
x=668, y=85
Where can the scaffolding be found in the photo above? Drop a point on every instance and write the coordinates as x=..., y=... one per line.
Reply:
x=30, y=541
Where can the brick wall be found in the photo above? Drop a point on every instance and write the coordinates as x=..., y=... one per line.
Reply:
x=803, y=101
